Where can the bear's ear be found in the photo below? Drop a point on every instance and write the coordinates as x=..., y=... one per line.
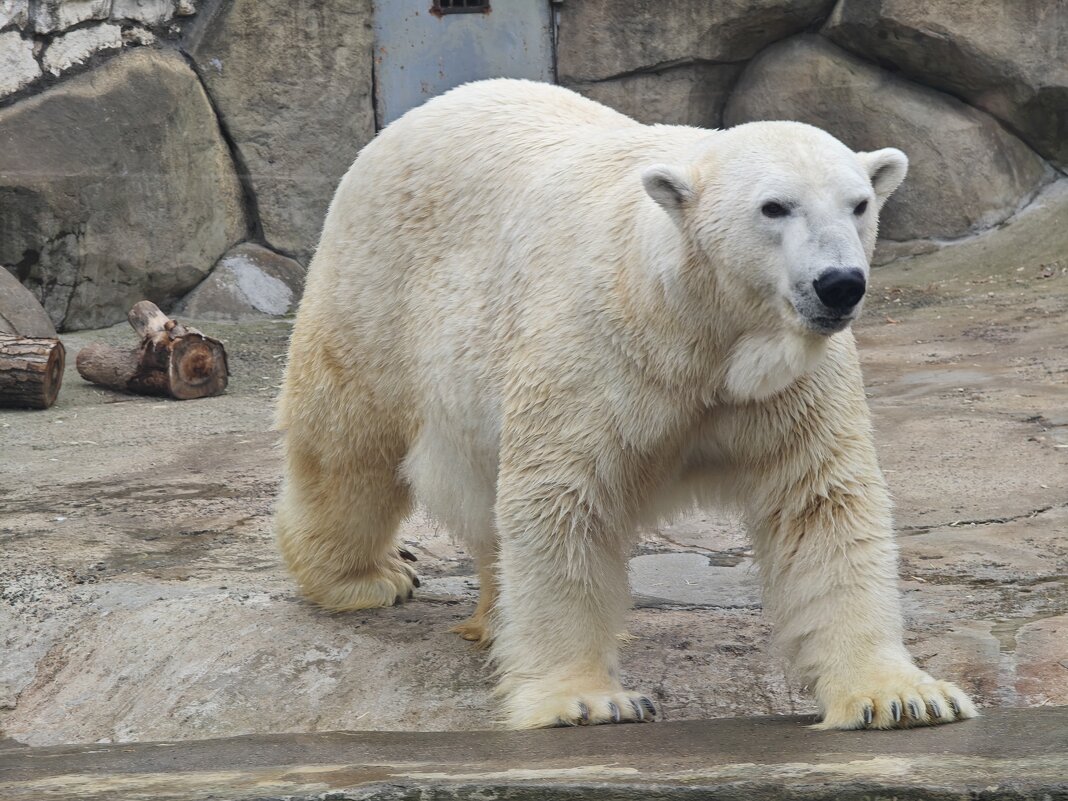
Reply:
x=668, y=186
x=886, y=168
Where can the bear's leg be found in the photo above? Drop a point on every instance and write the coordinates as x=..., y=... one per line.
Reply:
x=337, y=517
x=478, y=628
x=564, y=591
x=820, y=520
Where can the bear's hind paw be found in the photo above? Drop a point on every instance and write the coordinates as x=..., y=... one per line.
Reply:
x=391, y=584
x=475, y=629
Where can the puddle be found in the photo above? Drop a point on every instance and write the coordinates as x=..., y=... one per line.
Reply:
x=1005, y=630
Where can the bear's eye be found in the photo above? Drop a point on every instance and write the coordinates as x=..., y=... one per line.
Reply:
x=774, y=210
x=861, y=208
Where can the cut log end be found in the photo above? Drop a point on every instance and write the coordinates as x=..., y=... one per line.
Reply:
x=31, y=371
x=198, y=367
x=172, y=360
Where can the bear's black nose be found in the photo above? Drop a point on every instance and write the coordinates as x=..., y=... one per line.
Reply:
x=840, y=290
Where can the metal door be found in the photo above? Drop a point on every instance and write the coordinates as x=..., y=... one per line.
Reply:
x=425, y=47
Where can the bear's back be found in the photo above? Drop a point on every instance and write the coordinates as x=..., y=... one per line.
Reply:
x=494, y=198
x=512, y=133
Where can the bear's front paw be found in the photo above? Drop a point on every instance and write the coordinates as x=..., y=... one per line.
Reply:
x=892, y=700
x=535, y=707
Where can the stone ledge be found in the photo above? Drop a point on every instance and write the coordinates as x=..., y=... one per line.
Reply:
x=1006, y=754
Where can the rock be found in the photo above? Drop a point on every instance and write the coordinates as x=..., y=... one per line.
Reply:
x=693, y=94
x=147, y=12
x=250, y=281
x=137, y=35
x=1030, y=241
x=136, y=201
x=966, y=172
x=18, y=67
x=14, y=12
x=1006, y=58
x=292, y=84
x=58, y=15
x=20, y=312
x=75, y=47
x=602, y=38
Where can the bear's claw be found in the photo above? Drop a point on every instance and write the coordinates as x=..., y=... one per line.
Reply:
x=407, y=556
x=589, y=709
x=916, y=700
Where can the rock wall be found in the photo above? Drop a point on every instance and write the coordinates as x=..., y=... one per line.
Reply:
x=142, y=140
x=975, y=91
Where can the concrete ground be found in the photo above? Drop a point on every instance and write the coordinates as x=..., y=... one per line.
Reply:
x=1007, y=755
x=141, y=597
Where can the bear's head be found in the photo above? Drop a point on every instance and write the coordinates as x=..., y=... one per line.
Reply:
x=780, y=214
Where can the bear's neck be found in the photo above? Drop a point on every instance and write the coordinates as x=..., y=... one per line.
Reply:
x=692, y=342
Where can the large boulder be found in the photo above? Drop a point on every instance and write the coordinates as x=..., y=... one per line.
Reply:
x=693, y=94
x=292, y=83
x=249, y=282
x=966, y=171
x=20, y=312
x=115, y=186
x=603, y=38
x=1031, y=248
x=1009, y=59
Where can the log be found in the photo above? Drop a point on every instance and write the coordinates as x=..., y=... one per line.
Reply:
x=31, y=371
x=172, y=360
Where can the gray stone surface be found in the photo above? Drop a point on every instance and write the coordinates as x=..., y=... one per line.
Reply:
x=18, y=67
x=147, y=12
x=58, y=15
x=249, y=281
x=1032, y=242
x=14, y=12
x=691, y=94
x=292, y=84
x=601, y=38
x=1007, y=754
x=1010, y=59
x=76, y=46
x=116, y=186
x=966, y=172
x=20, y=312
x=141, y=596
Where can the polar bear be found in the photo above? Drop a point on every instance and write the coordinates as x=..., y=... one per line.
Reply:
x=551, y=325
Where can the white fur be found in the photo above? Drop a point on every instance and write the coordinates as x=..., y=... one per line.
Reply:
x=762, y=365
x=550, y=324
